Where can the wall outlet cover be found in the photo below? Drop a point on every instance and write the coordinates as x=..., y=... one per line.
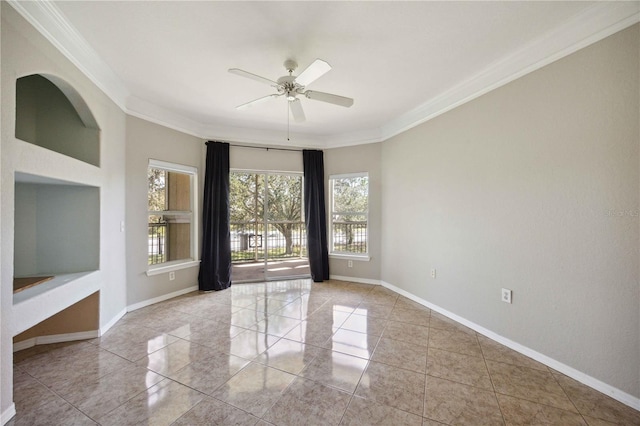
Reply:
x=506, y=295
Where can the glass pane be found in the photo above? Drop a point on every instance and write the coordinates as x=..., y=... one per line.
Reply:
x=246, y=201
x=349, y=218
x=272, y=246
x=349, y=234
x=157, y=197
x=285, y=240
x=168, y=190
x=247, y=242
x=285, y=198
x=178, y=191
x=351, y=194
x=169, y=238
x=246, y=197
x=157, y=237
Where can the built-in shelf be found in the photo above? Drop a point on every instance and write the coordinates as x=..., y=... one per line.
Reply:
x=23, y=283
x=57, y=181
x=56, y=235
x=35, y=304
x=56, y=227
x=51, y=114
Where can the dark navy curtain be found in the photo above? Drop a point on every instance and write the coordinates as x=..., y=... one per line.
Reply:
x=315, y=214
x=215, y=266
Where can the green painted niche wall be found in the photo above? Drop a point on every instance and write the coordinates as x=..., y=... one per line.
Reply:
x=46, y=117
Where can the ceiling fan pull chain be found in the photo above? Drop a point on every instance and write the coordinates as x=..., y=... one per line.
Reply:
x=288, y=120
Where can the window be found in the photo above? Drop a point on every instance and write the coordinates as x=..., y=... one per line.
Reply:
x=349, y=214
x=171, y=236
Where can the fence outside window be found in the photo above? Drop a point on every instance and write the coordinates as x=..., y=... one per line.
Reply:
x=281, y=240
x=157, y=239
x=350, y=237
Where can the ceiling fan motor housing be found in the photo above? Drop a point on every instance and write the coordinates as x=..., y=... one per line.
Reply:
x=287, y=84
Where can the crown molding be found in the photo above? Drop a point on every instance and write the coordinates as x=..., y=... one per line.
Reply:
x=148, y=111
x=592, y=25
x=359, y=137
x=267, y=137
x=53, y=25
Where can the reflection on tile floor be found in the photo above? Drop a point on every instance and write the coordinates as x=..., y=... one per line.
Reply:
x=296, y=353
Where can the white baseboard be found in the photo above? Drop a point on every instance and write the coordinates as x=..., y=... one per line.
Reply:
x=24, y=344
x=355, y=279
x=8, y=414
x=55, y=338
x=161, y=298
x=581, y=377
x=113, y=321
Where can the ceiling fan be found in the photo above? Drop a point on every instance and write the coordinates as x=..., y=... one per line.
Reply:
x=292, y=86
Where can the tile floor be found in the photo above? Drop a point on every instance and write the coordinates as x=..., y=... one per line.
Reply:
x=296, y=353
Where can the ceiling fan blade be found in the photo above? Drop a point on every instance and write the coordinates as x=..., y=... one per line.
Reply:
x=257, y=101
x=297, y=111
x=252, y=76
x=328, y=97
x=313, y=72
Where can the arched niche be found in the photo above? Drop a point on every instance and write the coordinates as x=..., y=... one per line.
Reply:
x=50, y=113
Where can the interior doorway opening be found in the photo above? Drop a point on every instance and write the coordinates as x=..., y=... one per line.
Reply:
x=268, y=235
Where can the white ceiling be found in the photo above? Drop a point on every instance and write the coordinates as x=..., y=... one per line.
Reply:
x=402, y=62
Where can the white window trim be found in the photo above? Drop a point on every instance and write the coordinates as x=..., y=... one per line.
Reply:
x=165, y=267
x=362, y=257
x=342, y=254
x=349, y=175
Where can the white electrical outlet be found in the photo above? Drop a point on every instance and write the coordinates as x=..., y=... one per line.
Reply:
x=433, y=272
x=350, y=263
x=172, y=276
x=506, y=295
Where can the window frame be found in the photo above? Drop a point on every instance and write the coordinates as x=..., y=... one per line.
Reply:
x=192, y=261
x=342, y=254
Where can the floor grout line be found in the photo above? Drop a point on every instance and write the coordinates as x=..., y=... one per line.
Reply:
x=354, y=303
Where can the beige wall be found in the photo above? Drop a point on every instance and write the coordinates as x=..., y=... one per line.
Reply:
x=146, y=140
x=259, y=159
x=532, y=187
x=362, y=158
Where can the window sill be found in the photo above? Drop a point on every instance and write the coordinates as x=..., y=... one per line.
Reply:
x=358, y=257
x=172, y=267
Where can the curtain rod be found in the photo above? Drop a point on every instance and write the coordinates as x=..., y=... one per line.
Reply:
x=267, y=148
x=261, y=147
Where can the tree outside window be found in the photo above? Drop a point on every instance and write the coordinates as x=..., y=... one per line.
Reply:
x=281, y=196
x=349, y=213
